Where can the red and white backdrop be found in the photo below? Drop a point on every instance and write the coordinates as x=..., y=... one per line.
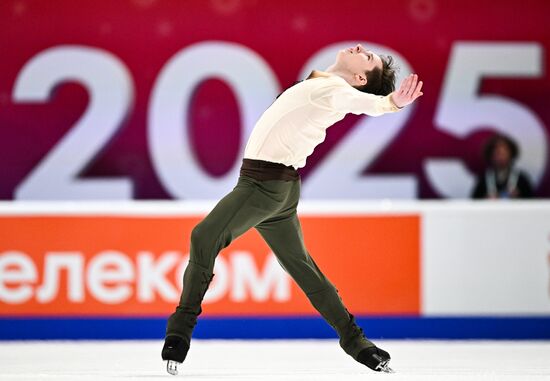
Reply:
x=150, y=99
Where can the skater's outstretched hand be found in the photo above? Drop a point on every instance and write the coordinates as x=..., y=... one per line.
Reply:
x=408, y=92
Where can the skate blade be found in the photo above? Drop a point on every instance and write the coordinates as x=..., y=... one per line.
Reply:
x=384, y=367
x=172, y=367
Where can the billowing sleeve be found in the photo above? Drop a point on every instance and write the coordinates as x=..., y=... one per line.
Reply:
x=346, y=99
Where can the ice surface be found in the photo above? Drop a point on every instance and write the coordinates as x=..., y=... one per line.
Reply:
x=273, y=360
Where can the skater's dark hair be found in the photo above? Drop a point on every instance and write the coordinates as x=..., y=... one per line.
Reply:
x=491, y=145
x=380, y=81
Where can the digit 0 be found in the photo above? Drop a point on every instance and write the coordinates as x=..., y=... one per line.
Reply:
x=255, y=88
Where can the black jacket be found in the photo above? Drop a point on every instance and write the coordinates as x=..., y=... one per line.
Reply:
x=521, y=185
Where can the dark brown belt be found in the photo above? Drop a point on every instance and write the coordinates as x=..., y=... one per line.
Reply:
x=266, y=170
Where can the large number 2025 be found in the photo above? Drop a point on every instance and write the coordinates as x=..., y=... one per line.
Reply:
x=111, y=97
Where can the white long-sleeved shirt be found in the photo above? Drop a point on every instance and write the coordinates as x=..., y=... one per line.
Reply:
x=290, y=129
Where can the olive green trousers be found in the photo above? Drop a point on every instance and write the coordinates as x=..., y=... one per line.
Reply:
x=270, y=207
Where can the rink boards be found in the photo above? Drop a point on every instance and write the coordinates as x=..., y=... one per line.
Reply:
x=419, y=270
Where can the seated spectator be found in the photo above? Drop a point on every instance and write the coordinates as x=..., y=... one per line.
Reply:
x=502, y=179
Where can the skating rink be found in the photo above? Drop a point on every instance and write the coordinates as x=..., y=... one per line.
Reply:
x=273, y=360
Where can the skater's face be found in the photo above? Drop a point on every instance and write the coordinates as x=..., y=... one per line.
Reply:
x=357, y=61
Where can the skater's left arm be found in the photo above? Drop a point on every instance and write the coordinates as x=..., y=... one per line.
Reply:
x=350, y=100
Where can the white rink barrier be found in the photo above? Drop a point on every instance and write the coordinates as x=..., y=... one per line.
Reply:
x=477, y=258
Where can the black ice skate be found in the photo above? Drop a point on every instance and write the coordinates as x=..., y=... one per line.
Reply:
x=375, y=358
x=355, y=344
x=174, y=352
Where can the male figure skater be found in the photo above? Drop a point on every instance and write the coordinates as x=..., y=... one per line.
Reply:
x=268, y=189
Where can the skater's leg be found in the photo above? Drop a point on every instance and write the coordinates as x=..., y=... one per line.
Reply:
x=248, y=204
x=284, y=236
x=241, y=209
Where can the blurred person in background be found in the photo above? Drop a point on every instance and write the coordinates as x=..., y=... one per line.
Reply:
x=502, y=179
